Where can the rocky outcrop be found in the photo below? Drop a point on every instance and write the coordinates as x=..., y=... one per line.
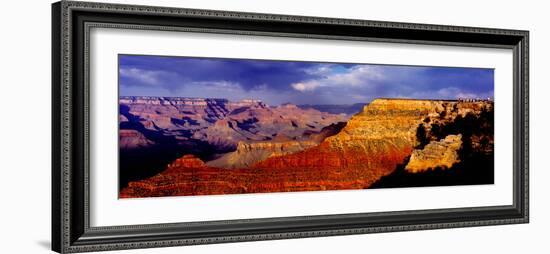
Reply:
x=187, y=161
x=219, y=122
x=370, y=146
x=155, y=131
x=326, y=132
x=437, y=154
x=132, y=139
x=250, y=153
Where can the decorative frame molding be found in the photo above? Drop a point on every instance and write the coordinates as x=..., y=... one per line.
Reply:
x=71, y=23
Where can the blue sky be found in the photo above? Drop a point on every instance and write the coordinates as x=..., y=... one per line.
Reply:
x=277, y=82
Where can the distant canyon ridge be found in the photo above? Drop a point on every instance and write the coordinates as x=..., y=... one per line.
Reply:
x=172, y=146
x=220, y=122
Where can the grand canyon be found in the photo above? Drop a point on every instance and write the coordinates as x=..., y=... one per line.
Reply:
x=177, y=146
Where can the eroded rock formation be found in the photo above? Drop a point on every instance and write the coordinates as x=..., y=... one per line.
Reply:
x=372, y=145
x=251, y=152
x=437, y=154
x=132, y=139
x=219, y=122
x=157, y=130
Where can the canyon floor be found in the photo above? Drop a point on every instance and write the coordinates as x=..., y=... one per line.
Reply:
x=193, y=146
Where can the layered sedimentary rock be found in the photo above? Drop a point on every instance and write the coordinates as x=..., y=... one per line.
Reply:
x=157, y=130
x=437, y=154
x=251, y=152
x=189, y=176
x=383, y=134
x=132, y=139
x=219, y=122
x=186, y=161
x=372, y=144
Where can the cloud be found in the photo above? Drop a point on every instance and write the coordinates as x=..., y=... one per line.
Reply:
x=138, y=77
x=361, y=75
x=448, y=93
x=305, y=86
x=218, y=85
x=278, y=82
x=180, y=71
x=320, y=69
x=359, y=97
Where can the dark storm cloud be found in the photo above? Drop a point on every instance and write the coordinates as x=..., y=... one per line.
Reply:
x=297, y=82
x=174, y=72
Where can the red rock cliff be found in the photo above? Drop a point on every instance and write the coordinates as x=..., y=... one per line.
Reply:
x=370, y=146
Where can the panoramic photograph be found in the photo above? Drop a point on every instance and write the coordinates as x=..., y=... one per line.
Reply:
x=212, y=126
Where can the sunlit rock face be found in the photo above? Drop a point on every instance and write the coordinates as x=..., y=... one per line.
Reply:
x=186, y=161
x=437, y=154
x=251, y=152
x=371, y=145
x=419, y=134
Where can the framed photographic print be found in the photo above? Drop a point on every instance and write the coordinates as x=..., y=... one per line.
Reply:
x=181, y=126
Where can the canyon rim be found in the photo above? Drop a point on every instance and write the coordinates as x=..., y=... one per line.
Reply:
x=208, y=126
